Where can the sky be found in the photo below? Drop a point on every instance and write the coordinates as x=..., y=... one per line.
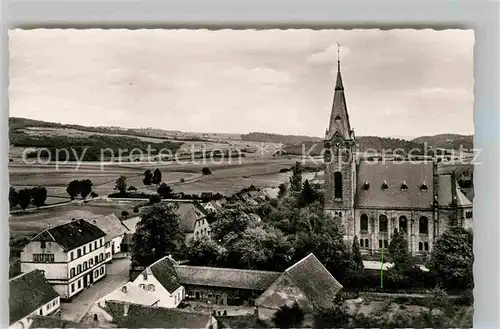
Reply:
x=398, y=83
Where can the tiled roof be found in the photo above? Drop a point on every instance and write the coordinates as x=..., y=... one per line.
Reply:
x=445, y=195
x=27, y=293
x=225, y=277
x=165, y=272
x=132, y=294
x=71, y=235
x=111, y=225
x=54, y=322
x=139, y=316
x=394, y=174
x=188, y=213
x=312, y=278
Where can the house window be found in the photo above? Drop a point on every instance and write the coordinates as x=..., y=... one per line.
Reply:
x=79, y=284
x=101, y=270
x=48, y=306
x=41, y=311
x=100, y=243
x=423, y=225
x=366, y=243
x=96, y=259
x=79, y=253
x=175, y=299
x=90, y=247
x=151, y=287
x=420, y=246
x=96, y=273
x=43, y=258
x=91, y=262
x=72, y=272
x=380, y=244
x=84, y=250
x=382, y=223
x=101, y=257
x=95, y=244
x=79, y=269
x=338, y=185
x=84, y=266
x=403, y=224
x=385, y=243
x=364, y=223
x=142, y=286
x=426, y=246
x=42, y=244
x=108, y=255
x=72, y=255
x=72, y=287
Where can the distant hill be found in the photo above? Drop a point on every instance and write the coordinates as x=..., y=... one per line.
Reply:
x=364, y=144
x=447, y=141
x=276, y=138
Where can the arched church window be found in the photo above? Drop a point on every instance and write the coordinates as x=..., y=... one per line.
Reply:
x=364, y=222
x=366, y=243
x=403, y=224
x=361, y=242
x=382, y=223
x=423, y=225
x=338, y=185
x=426, y=246
x=420, y=246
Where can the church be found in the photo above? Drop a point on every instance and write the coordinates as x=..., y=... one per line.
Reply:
x=371, y=199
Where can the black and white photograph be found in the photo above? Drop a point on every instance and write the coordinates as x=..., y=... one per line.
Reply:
x=241, y=178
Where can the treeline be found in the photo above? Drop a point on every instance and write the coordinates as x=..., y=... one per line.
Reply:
x=276, y=138
x=448, y=141
x=90, y=148
x=24, y=197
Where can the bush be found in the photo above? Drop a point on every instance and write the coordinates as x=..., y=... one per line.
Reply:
x=125, y=213
x=136, y=210
x=182, y=180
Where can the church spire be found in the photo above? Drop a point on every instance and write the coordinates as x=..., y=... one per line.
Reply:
x=339, y=119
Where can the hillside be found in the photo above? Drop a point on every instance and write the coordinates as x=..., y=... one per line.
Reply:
x=364, y=144
x=447, y=141
x=276, y=138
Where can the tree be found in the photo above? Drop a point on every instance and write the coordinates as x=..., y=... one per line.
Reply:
x=39, y=196
x=157, y=176
x=308, y=194
x=73, y=189
x=164, y=190
x=148, y=177
x=398, y=252
x=206, y=171
x=85, y=188
x=335, y=317
x=154, y=198
x=121, y=185
x=288, y=317
x=24, y=196
x=452, y=258
x=296, y=179
x=13, y=197
x=357, y=259
x=157, y=234
x=230, y=224
x=93, y=194
x=203, y=252
x=437, y=298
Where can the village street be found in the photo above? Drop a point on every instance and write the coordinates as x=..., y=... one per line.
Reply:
x=117, y=274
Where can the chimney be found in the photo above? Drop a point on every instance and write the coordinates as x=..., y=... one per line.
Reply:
x=125, y=309
x=124, y=289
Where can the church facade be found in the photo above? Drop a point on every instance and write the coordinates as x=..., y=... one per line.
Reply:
x=373, y=198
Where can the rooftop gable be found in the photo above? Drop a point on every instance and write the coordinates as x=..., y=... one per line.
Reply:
x=111, y=225
x=165, y=272
x=27, y=293
x=71, y=235
x=139, y=316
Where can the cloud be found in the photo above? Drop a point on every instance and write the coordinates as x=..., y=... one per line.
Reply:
x=439, y=92
x=328, y=56
x=259, y=75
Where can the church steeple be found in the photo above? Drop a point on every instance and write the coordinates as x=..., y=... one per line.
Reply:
x=339, y=119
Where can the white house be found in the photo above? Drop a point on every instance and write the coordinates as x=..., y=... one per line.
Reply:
x=30, y=294
x=130, y=293
x=71, y=256
x=161, y=280
x=115, y=231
